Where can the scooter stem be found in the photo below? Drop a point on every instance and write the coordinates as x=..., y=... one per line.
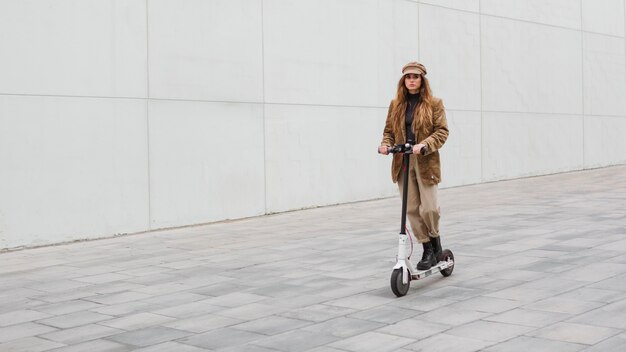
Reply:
x=405, y=191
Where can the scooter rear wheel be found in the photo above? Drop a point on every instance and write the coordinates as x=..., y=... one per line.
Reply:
x=399, y=289
x=445, y=255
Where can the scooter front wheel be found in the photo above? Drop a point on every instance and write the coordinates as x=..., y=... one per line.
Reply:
x=397, y=286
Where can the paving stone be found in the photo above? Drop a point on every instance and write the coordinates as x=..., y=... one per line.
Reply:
x=67, y=307
x=136, y=321
x=481, y=282
x=235, y=299
x=170, y=346
x=20, y=316
x=414, y=328
x=331, y=349
x=614, y=283
x=248, y=347
x=221, y=338
x=95, y=346
x=202, y=323
x=527, y=317
x=386, y=315
x=80, y=334
x=486, y=304
x=251, y=311
x=188, y=310
x=14, y=332
x=372, y=341
x=148, y=336
x=595, y=272
x=343, y=327
x=522, y=294
x=525, y=344
x=615, y=343
x=120, y=309
x=272, y=325
x=20, y=303
x=296, y=340
x=445, y=343
x=102, y=278
x=559, y=304
x=450, y=316
x=74, y=319
x=455, y=293
x=575, y=333
x=175, y=298
x=489, y=331
x=298, y=301
x=362, y=301
x=423, y=303
x=112, y=287
x=602, y=317
x=65, y=296
x=116, y=298
x=29, y=344
x=317, y=312
x=58, y=286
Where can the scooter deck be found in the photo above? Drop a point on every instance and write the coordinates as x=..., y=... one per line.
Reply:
x=442, y=265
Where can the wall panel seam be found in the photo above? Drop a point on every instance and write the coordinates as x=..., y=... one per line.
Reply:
x=582, y=78
x=149, y=172
x=480, y=67
x=263, y=106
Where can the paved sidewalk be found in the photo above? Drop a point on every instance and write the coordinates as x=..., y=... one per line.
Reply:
x=541, y=266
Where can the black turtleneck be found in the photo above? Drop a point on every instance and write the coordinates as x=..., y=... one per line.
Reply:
x=412, y=100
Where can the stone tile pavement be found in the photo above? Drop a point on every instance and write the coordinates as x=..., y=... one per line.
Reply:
x=541, y=266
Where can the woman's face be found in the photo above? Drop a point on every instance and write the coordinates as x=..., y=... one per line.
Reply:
x=412, y=82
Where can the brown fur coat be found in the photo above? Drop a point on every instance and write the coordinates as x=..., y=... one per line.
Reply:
x=433, y=133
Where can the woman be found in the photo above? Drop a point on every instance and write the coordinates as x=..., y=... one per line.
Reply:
x=415, y=115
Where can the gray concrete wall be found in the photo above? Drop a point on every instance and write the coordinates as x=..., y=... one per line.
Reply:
x=120, y=116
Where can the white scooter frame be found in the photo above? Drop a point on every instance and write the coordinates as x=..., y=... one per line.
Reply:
x=404, y=271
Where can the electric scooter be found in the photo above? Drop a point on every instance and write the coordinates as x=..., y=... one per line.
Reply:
x=404, y=271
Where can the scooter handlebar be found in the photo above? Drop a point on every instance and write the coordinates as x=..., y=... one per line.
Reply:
x=406, y=148
x=401, y=148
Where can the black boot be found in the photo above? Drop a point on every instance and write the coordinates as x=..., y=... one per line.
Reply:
x=436, y=242
x=428, y=258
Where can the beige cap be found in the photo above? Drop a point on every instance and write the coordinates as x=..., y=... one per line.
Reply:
x=414, y=67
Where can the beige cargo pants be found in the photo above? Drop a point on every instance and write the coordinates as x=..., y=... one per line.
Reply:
x=422, y=210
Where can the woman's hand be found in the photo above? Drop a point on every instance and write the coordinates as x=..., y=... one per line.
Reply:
x=417, y=149
x=383, y=149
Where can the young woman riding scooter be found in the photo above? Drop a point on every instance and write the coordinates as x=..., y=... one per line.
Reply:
x=416, y=115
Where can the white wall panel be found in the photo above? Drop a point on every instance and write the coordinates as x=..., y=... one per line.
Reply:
x=450, y=50
x=563, y=13
x=402, y=42
x=604, y=75
x=529, y=67
x=324, y=155
x=604, y=140
x=73, y=47
x=520, y=144
x=461, y=154
x=72, y=168
x=466, y=5
x=206, y=162
x=329, y=51
x=604, y=16
x=206, y=50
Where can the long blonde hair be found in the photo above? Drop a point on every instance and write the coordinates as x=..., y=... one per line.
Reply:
x=424, y=111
